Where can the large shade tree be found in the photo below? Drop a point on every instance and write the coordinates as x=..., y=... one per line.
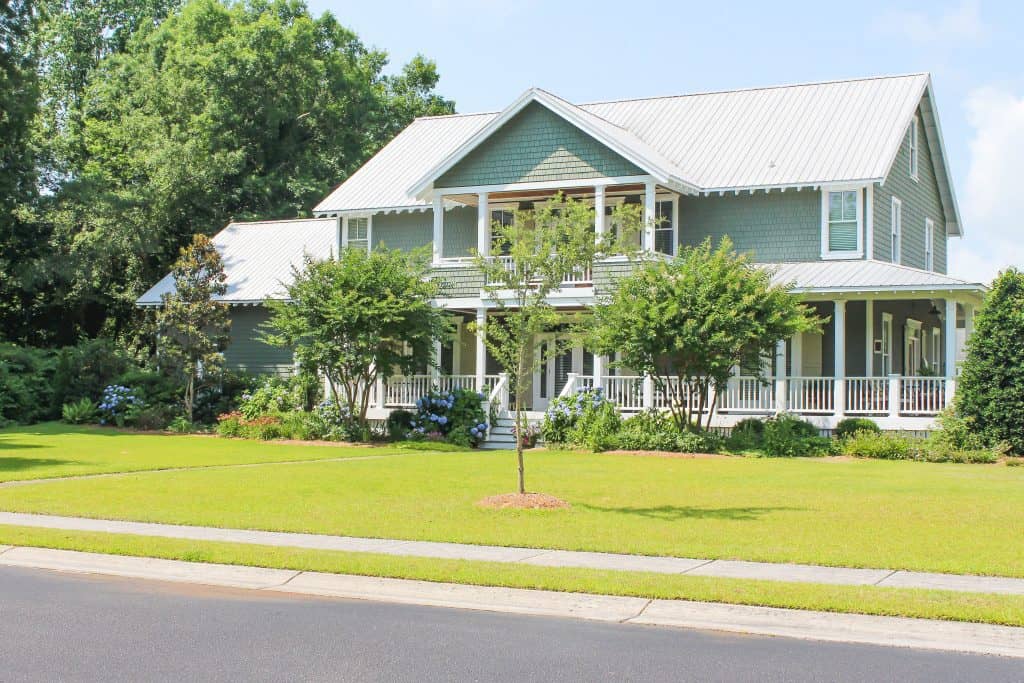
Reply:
x=688, y=321
x=357, y=318
x=162, y=119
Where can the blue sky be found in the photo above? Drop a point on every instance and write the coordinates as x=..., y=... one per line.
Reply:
x=488, y=52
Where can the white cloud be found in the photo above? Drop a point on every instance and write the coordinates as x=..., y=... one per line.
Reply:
x=990, y=206
x=955, y=23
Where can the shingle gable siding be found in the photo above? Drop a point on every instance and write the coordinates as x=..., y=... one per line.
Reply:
x=920, y=200
x=773, y=226
x=536, y=145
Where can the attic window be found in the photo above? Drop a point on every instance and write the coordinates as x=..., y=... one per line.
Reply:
x=913, y=148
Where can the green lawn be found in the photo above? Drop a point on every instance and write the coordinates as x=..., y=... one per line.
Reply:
x=926, y=604
x=946, y=518
x=59, y=450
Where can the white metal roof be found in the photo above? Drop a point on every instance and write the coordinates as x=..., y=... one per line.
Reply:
x=864, y=276
x=783, y=136
x=258, y=257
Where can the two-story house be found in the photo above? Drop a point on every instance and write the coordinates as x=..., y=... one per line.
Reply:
x=841, y=187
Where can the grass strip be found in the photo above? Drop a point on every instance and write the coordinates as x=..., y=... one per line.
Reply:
x=903, y=602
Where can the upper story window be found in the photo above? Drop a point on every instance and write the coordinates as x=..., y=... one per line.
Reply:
x=665, y=227
x=499, y=246
x=929, y=244
x=842, y=223
x=357, y=233
x=913, y=148
x=896, y=230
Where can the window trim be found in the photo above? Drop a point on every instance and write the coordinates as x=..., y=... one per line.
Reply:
x=826, y=253
x=369, y=231
x=914, y=144
x=929, y=244
x=896, y=231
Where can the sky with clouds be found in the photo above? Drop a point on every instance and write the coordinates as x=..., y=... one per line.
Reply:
x=488, y=52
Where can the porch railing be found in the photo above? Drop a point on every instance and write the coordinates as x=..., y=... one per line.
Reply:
x=580, y=276
x=402, y=391
x=874, y=396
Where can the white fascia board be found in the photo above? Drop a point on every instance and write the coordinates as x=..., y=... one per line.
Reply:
x=955, y=227
x=425, y=183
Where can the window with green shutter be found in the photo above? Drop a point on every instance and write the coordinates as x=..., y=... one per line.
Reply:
x=842, y=221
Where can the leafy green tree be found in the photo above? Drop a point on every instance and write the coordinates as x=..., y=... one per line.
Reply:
x=357, y=318
x=689, y=320
x=542, y=248
x=19, y=245
x=192, y=325
x=990, y=389
x=164, y=119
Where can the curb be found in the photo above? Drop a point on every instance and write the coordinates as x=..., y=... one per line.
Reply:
x=836, y=627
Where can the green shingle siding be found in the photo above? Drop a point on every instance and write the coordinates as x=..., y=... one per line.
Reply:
x=246, y=353
x=403, y=231
x=459, y=231
x=536, y=145
x=920, y=199
x=605, y=274
x=458, y=281
x=773, y=226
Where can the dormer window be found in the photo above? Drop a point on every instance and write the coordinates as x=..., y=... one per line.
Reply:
x=842, y=223
x=913, y=144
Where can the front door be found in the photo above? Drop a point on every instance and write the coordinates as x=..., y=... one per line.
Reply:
x=552, y=372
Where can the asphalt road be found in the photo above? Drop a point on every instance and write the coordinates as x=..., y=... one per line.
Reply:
x=86, y=628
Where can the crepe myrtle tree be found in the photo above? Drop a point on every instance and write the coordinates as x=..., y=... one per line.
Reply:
x=688, y=321
x=357, y=318
x=192, y=326
x=541, y=248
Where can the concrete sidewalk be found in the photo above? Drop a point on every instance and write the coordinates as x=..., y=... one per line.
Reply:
x=854, y=628
x=540, y=557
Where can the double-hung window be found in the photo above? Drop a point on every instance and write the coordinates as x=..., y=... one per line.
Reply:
x=665, y=227
x=842, y=223
x=896, y=224
x=357, y=233
x=929, y=244
x=913, y=148
x=500, y=246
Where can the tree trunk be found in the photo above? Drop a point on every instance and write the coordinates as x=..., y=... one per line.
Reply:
x=190, y=388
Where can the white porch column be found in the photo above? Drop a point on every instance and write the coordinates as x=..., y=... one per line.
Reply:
x=599, y=366
x=780, y=376
x=839, y=325
x=949, y=345
x=435, y=370
x=599, y=212
x=438, y=227
x=894, y=396
x=649, y=215
x=481, y=349
x=483, y=225
x=648, y=392
x=869, y=341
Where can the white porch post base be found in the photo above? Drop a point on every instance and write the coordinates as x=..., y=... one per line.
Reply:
x=599, y=363
x=648, y=392
x=894, y=396
x=481, y=349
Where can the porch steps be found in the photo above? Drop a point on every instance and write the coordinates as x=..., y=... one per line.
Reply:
x=500, y=436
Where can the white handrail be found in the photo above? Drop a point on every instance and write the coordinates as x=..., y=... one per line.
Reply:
x=499, y=392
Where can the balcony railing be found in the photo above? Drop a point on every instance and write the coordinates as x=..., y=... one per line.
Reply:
x=402, y=391
x=581, y=276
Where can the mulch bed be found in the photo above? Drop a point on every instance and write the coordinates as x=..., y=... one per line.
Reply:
x=523, y=501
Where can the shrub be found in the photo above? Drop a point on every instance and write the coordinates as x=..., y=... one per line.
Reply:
x=155, y=417
x=571, y=419
x=932, y=453
x=867, y=443
x=180, y=425
x=654, y=430
x=990, y=389
x=272, y=395
x=85, y=369
x=336, y=424
x=119, y=405
x=530, y=434
x=458, y=416
x=26, y=385
x=787, y=436
x=399, y=425
x=79, y=412
x=746, y=435
x=955, y=432
x=230, y=424
x=849, y=426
